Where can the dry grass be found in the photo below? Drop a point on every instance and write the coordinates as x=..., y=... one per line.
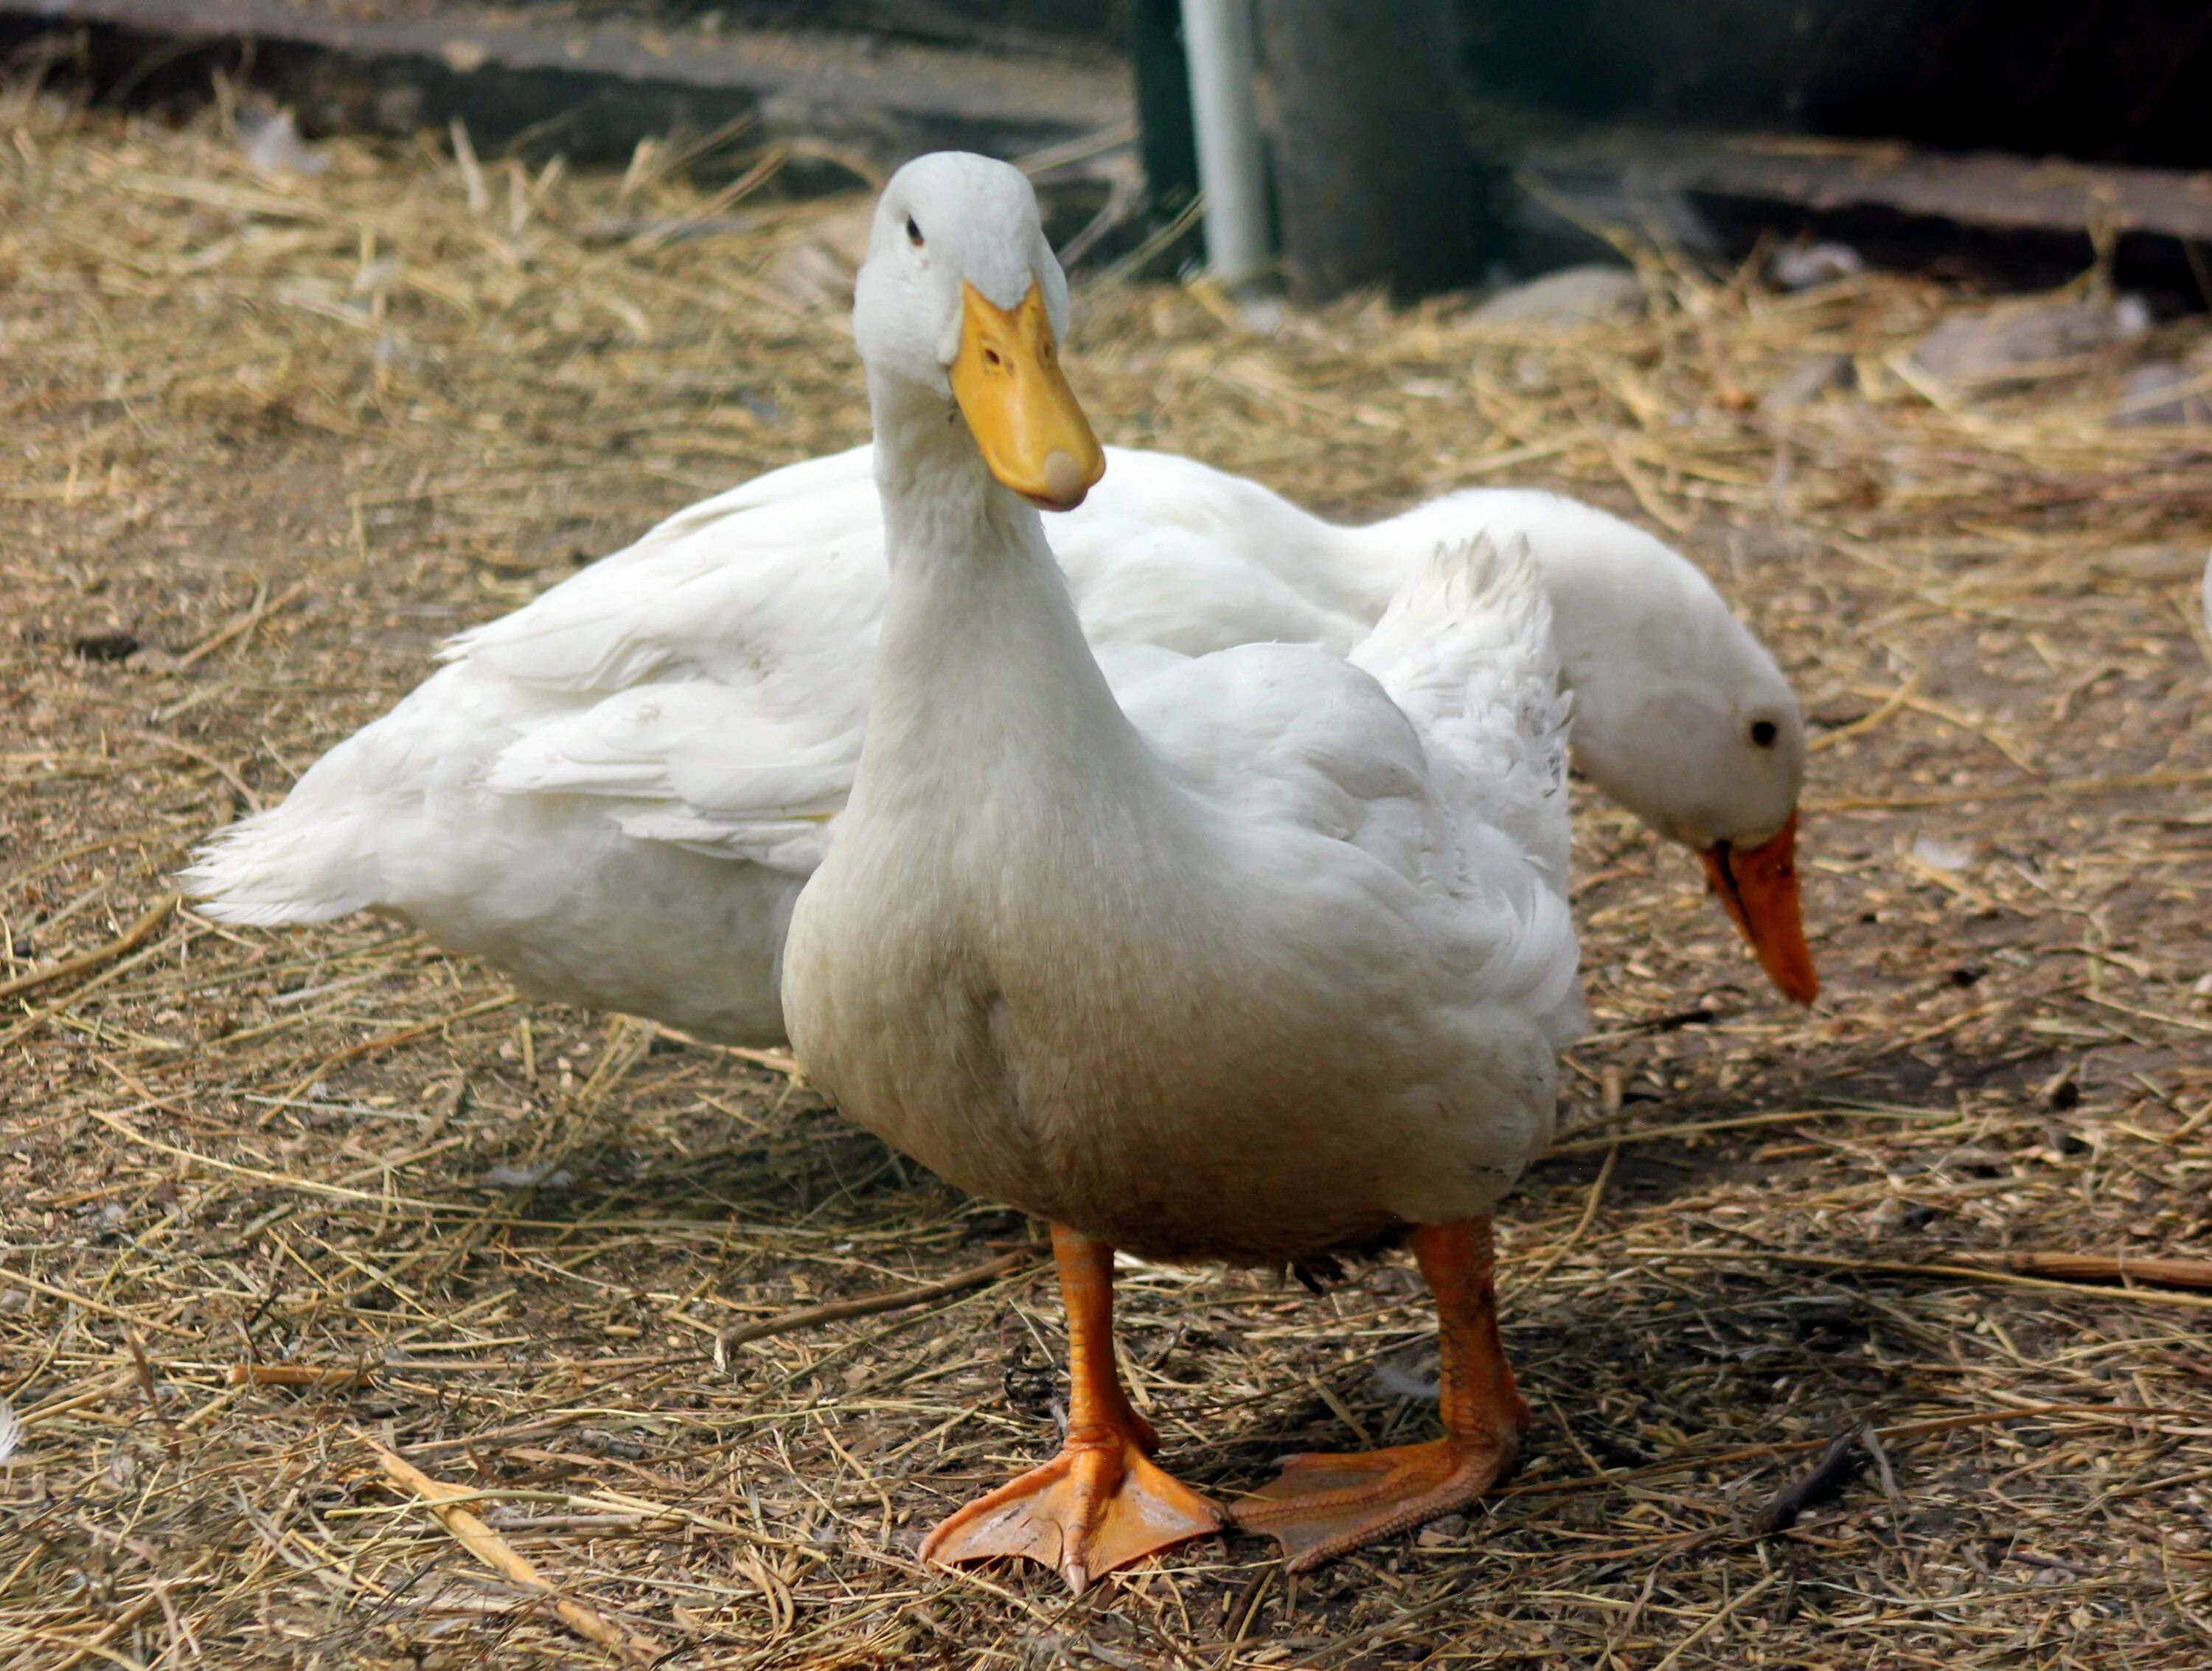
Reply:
x=241, y=434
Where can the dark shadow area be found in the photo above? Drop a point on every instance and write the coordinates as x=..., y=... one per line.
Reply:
x=2097, y=82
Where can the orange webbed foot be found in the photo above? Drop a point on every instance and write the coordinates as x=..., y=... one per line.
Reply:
x=1101, y=1504
x=1324, y=1504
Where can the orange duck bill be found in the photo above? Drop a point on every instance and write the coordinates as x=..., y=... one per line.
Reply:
x=1759, y=886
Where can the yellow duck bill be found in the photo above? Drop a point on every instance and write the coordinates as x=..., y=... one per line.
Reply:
x=1006, y=378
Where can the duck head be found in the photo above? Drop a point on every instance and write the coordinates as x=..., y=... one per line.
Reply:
x=961, y=300
x=1703, y=741
x=1679, y=715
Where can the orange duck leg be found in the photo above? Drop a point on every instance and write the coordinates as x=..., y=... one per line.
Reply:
x=1100, y=1502
x=1323, y=1505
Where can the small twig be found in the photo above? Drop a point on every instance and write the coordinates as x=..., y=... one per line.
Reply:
x=472, y=173
x=2026, y=1411
x=144, y=1367
x=1779, y=1117
x=1673, y=1021
x=136, y=934
x=1589, y=1212
x=100, y=1307
x=1903, y=1268
x=511, y=1520
x=1880, y=1452
x=1113, y=136
x=496, y=1553
x=369, y=1046
x=776, y=1061
x=649, y=167
x=868, y=1305
x=1646, y=492
x=495, y=1435
x=241, y=625
x=1838, y=1466
x=1973, y=724
x=94, y=1646
x=1246, y=1608
x=295, y=1374
x=1719, y=1620
x=653, y=230
x=2062, y=789
x=222, y=769
x=744, y=187
x=1890, y=704
x=1120, y=203
x=2098, y=1268
x=1137, y=258
x=39, y=867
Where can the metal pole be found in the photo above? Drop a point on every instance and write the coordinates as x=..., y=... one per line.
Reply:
x=1225, y=106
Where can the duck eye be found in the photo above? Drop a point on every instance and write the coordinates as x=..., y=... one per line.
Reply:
x=1763, y=733
x=913, y=233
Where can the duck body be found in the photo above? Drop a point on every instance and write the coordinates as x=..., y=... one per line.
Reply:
x=1265, y=954
x=1215, y=971
x=615, y=792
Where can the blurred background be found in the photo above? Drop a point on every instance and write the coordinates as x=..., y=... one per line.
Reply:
x=1428, y=143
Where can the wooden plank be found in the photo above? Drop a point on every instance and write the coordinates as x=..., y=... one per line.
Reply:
x=1986, y=189
x=508, y=69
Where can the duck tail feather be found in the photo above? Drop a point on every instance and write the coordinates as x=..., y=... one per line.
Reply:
x=277, y=867
x=1466, y=651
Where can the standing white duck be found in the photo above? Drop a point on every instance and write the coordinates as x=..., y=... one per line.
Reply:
x=616, y=792
x=1269, y=956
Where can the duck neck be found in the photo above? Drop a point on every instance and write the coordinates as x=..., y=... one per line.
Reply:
x=982, y=674
x=1386, y=555
x=937, y=497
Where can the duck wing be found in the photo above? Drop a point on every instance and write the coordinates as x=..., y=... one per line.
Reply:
x=1438, y=752
x=707, y=686
x=710, y=766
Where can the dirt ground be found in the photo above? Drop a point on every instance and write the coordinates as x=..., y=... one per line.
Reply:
x=270, y=438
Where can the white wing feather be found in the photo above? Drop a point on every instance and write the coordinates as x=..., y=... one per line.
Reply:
x=1466, y=652
x=700, y=764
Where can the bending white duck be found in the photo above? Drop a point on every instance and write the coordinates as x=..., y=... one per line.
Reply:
x=1267, y=958
x=616, y=792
